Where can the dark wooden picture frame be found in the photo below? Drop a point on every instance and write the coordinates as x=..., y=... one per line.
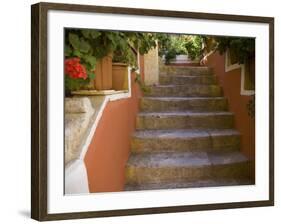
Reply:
x=39, y=106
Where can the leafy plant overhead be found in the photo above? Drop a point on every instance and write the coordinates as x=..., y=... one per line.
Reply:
x=77, y=45
x=89, y=46
x=125, y=55
x=172, y=45
x=164, y=43
x=242, y=48
x=142, y=41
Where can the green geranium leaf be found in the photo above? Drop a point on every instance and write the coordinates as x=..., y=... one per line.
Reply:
x=86, y=33
x=110, y=36
x=84, y=46
x=72, y=84
x=95, y=34
x=77, y=53
x=91, y=60
x=91, y=75
x=74, y=41
x=67, y=50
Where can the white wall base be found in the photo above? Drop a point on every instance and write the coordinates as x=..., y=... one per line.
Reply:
x=76, y=179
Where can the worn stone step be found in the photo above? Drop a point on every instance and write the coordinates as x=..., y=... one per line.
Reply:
x=156, y=104
x=184, y=120
x=185, y=140
x=185, y=166
x=189, y=184
x=185, y=70
x=187, y=79
x=185, y=90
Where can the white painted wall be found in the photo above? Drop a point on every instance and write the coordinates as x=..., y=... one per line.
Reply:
x=151, y=67
x=230, y=67
x=76, y=179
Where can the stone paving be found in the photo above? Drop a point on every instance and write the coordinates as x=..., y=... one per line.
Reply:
x=185, y=136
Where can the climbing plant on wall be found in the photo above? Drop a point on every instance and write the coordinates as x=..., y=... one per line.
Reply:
x=241, y=48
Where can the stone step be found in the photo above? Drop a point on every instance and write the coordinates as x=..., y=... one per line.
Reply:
x=185, y=140
x=185, y=120
x=185, y=70
x=185, y=166
x=185, y=90
x=189, y=184
x=187, y=79
x=156, y=104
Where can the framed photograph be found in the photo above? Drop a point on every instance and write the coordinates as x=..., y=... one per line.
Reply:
x=139, y=111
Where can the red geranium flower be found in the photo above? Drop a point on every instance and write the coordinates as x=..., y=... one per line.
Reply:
x=74, y=69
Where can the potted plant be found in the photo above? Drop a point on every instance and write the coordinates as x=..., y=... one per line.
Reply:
x=94, y=48
x=125, y=55
x=75, y=75
x=120, y=76
x=103, y=80
x=103, y=44
x=122, y=58
x=93, y=51
x=79, y=64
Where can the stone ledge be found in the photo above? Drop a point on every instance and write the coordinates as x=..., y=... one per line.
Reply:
x=78, y=114
x=77, y=105
x=98, y=92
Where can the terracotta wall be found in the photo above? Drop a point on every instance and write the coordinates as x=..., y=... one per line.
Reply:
x=109, y=150
x=231, y=82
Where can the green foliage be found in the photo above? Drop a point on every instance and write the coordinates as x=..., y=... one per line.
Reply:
x=141, y=41
x=76, y=45
x=172, y=45
x=89, y=44
x=105, y=43
x=92, y=45
x=74, y=84
x=146, y=41
x=194, y=47
x=178, y=43
x=170, y=55
x=124, y=51
x=125, y=55
x=242, y=48
x=143, y=87
x=164, y=43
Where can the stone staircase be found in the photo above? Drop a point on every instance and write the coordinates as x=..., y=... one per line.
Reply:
x=185, y=136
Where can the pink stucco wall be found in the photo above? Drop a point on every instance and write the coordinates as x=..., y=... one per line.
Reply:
x=231, y=82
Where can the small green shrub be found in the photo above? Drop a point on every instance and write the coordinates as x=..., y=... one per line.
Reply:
x=194, y=46
x=144, y=88
x=172, y=45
